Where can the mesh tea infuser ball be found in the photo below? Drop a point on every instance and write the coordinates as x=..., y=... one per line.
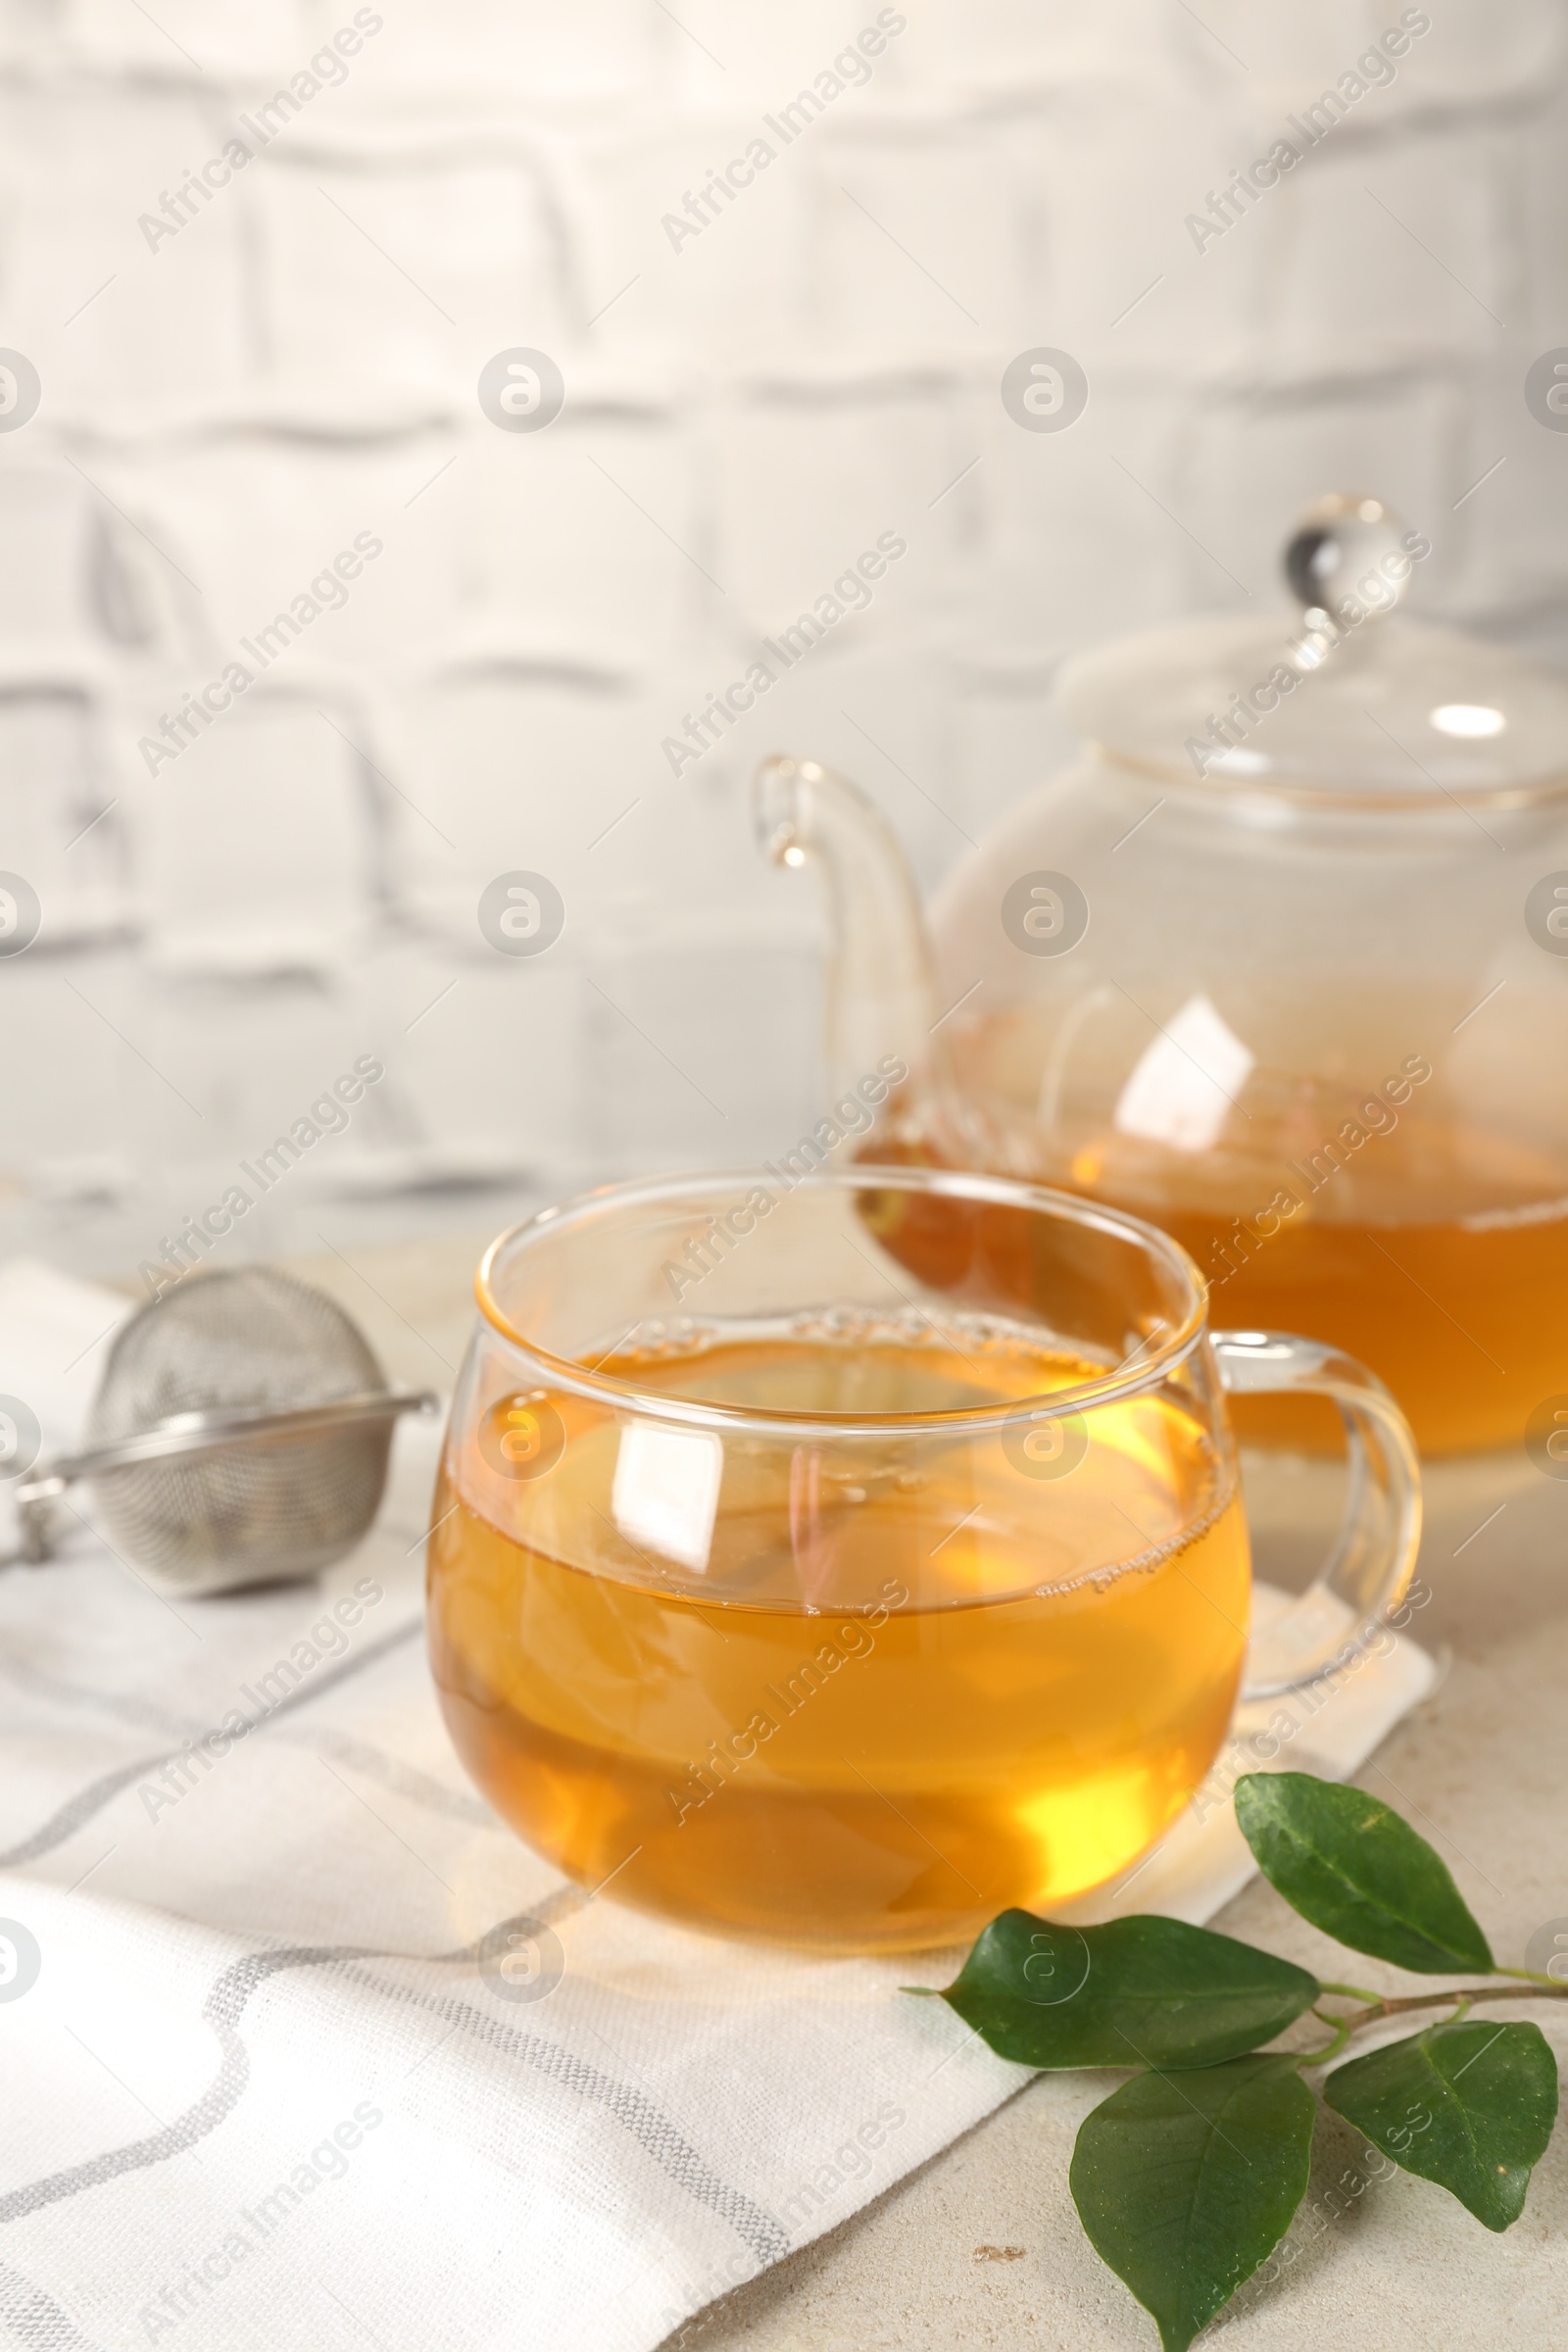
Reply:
x=240, y=1435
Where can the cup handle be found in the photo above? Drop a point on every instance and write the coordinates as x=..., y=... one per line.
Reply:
x=1366, y=1574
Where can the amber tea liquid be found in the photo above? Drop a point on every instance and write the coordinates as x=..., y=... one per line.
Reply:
x=1435, y=1250
x=905, y=1689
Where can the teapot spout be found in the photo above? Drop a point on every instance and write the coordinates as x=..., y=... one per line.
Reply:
x=881, y=991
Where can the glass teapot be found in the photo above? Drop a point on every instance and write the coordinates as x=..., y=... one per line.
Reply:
x=1280, y=963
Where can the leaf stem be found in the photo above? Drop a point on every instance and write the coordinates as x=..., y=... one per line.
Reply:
x=1348, y=2022
x=1353, y=1992
x=1462, y=1993
x=1533, y=1976
x=1344, y=2028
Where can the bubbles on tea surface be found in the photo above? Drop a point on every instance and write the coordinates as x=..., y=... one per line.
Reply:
x=659, y=1340
x=854, y=1362
x=963, y=1331
x=865, y=1327
x=967, y=1333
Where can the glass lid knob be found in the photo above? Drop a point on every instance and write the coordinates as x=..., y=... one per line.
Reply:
x=1347, y=546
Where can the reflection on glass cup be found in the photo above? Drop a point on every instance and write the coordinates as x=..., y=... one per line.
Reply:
x=840, y=1560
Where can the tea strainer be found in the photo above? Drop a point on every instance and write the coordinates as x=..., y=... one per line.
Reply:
x=240, y=1435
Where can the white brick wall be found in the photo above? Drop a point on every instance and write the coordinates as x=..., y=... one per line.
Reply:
x=222, y=416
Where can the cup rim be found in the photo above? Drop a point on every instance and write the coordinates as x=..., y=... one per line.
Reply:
x=1126, y=1380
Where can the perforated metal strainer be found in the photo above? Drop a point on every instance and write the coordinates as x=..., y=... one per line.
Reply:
x=239, y=1437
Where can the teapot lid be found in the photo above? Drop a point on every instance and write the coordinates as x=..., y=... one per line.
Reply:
x=1344, y=704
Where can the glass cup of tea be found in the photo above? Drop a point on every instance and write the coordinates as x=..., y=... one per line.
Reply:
x=840, y=1558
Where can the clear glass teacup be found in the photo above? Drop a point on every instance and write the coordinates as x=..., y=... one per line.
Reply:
x=838, y=1560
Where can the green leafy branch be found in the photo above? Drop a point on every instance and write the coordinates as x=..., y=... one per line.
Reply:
x=1187, y=2177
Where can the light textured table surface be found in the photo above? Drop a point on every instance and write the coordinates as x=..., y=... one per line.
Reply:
x=981, y=2247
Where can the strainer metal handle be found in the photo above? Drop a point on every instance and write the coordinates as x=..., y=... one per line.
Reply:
x=208, y=1432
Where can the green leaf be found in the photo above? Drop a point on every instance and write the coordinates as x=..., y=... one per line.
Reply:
x=1138, y=1991
x=1470, y=2106
x=1358, y=1871
x=1186, y=2183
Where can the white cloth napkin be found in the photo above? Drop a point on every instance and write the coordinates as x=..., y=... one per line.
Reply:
x=266, y=2083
